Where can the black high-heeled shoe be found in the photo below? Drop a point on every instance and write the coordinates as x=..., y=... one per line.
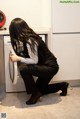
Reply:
x=34, y=98
x=64, y=89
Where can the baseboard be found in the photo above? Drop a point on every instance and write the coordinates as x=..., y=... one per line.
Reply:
x=73, y=83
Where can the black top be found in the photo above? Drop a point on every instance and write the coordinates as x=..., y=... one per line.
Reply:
x=45, y=55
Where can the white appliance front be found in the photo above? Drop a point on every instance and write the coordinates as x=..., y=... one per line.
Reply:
x=10, y=87
x=11, y=71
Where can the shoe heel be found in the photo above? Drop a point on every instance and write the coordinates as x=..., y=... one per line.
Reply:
x=64, y=90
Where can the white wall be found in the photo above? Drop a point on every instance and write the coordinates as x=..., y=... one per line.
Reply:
x=37, y=13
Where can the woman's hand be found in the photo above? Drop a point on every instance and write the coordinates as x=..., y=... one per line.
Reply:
x=14, y=58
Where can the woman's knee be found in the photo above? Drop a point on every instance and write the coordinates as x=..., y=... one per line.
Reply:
x=22, y=67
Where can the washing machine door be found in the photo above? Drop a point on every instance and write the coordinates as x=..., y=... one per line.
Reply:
x=13, y=71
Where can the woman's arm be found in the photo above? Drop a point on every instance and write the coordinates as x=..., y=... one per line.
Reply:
x=33, y=56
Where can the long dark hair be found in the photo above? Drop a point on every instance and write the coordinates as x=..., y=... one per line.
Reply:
x=20, y=31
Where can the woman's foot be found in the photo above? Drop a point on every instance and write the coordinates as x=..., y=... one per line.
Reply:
x=64, y=89
x=34, y=98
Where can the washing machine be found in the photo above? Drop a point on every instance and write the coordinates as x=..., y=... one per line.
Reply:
x=13, y=79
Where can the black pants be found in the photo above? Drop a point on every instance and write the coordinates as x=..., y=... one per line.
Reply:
x=44, y=74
